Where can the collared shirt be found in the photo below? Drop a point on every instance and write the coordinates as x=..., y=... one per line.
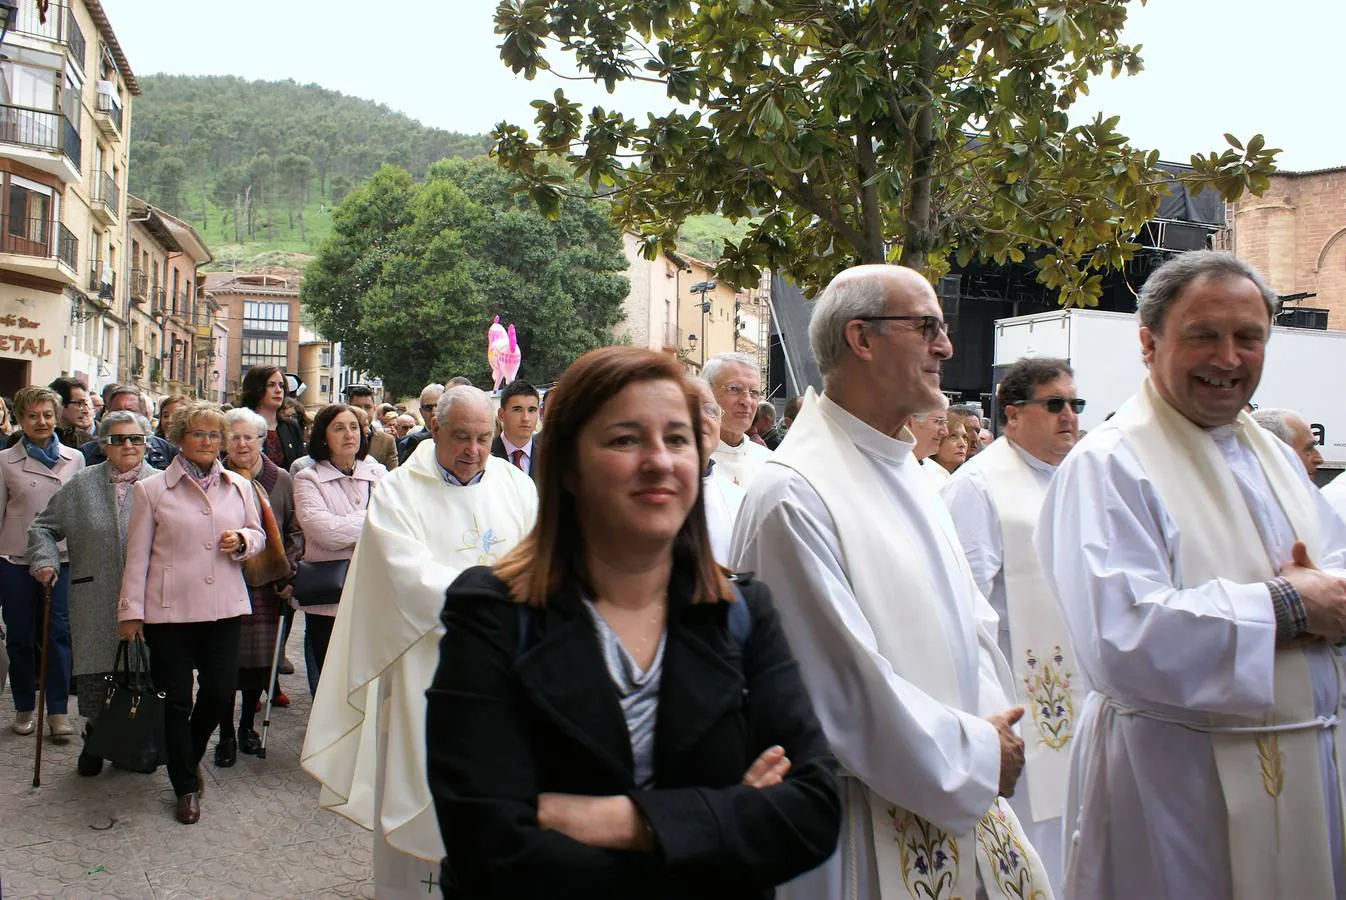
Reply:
x=453, y=479
x=526, y=461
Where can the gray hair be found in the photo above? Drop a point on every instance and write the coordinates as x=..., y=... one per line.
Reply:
x=943, y=406
x=463, y=393
x=431, y=388
x=121, y=417
x=247, y=417
x=121, y=389
x=1277, y=421
x=1167, y=283
x=712, y=369
x=846, y=298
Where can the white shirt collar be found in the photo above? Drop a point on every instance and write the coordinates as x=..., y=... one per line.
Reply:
x=1045, y=468
x=869, y=439
x=510, y=447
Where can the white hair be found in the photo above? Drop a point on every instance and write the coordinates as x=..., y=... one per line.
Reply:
x=247, y=417
x=1277, y=421
x=712, y=369
x=943, y=405
x=846, y=298
x=463, y=393
x=122, y=417
x=431, y=388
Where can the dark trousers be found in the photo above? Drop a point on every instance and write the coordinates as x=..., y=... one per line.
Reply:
x=176, y=649
x=21, y=600
x=317, y=635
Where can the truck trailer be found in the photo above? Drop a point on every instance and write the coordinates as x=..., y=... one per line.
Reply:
x=1305, y=368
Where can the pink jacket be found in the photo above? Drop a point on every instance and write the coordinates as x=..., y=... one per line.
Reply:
x=331, y=507
x=174, y=570
x=25, y=487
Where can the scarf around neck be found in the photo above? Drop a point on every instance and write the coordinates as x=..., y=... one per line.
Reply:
x=123, y=481
x=204, y=478
x=49, y=455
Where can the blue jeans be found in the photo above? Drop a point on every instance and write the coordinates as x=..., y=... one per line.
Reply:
x=21, y=601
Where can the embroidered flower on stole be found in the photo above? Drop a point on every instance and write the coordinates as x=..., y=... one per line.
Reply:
x=928, y=856
x=1007, y=855
x=1049, y=700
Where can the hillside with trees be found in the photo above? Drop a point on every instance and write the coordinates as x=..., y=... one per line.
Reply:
x=257, y=166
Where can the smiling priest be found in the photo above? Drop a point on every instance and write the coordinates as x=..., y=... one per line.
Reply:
x=450, y=506
x=1201, y=578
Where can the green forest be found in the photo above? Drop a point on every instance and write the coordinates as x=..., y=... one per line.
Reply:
x=257, y=166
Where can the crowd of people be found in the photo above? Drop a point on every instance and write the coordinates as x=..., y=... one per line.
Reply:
x=646, y=637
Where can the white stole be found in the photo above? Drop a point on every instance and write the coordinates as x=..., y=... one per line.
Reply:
x=893, y=588
x=1268, y=765
x=1040, y=650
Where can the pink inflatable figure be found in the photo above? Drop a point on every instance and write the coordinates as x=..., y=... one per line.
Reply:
x=503, y=353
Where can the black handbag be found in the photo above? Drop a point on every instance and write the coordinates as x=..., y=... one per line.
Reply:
x=320, y=583
x=129, y=729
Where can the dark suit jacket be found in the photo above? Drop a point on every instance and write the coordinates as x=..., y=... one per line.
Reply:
x=408, y=445
x=498, y=449
x=503, y=728
x=291, y=439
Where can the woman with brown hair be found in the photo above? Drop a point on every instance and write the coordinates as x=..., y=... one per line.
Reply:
x=612, y=716
x=953, y=449
x=263, y=392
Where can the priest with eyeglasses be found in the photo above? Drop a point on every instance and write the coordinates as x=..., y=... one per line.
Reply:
x=994, y=499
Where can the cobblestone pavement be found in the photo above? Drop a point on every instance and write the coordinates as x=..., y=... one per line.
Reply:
x=261, y=832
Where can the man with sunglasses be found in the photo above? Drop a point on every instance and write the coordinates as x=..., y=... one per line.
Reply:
x=895, y=644
x=994, y=499
x=430, y=395
x=1203, y=581
x=127, y=398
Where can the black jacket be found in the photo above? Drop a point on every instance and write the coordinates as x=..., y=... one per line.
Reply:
x=408, y=445
x=498, y=449
x=291, y=436
x=503, y=728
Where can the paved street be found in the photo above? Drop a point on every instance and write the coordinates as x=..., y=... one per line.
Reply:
x=261, y=833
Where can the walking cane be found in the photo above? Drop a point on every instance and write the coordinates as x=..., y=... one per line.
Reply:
x=42, y=681
x=271, y=685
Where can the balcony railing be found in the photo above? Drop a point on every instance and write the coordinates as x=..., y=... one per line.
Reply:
x=38, y=237
x=43, y=129
x=107, y=193
x=157, y=301
x=139, y=284
x=56, y=24
x=74, y=38
x=107, y=106
x=100, y=275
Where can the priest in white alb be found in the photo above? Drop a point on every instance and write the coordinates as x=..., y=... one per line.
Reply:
x=721, y=498
x=450, y=506
x=930, y=429
x=1201, y=577
x=994, y=499
x=737, y=382
x=895, y=644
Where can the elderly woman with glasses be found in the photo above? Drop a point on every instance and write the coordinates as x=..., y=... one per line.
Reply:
x=183, y=588
x=91, y=513
x=268, y=576
x=30, y=472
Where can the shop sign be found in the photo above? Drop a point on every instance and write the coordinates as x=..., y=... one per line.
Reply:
x=17, y=343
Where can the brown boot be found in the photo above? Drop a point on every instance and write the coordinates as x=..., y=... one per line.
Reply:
x=188, y=811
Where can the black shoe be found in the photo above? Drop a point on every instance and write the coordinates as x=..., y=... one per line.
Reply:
x=249, y=742
x=88, y=765
x=226, y=753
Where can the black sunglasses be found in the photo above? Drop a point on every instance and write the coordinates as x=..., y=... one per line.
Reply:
x=931, y=327
x=1054, y=404
x=135, y=440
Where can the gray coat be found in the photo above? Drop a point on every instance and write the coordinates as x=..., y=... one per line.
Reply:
x=83, y=512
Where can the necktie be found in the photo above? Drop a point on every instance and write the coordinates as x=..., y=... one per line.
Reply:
x=516, y=457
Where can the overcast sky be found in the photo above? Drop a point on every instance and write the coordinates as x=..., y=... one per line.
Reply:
x=1243, y=66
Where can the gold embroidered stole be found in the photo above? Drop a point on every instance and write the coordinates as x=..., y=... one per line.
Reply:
x=893, y=588
x=1040, y=649
x=1271, y=780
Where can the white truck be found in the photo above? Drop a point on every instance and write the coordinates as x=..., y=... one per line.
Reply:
x=1305, y=368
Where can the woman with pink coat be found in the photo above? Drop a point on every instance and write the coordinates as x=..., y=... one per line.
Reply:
x=183, y=588
x=331, y=498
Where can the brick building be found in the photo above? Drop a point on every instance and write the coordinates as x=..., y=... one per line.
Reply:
x=1295, y=234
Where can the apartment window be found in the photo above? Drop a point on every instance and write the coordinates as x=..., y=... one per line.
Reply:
x=270, y=317
x=261, y=351
x=28, y=207
x=33, y=86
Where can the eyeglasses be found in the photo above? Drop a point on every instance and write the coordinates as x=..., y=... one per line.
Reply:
x=712, y=409
x=931, y=327
x=1054, y=404
x=213, y=437
x=735, y=390
x=939, y=421
x=243, y=439
x=135, y=440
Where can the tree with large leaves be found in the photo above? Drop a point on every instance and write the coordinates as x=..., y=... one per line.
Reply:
x=853, y=131
x=412, y=274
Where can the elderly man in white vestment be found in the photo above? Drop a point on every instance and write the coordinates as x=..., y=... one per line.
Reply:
x=737, y=383
x=895, y=643
x=994, y=500
x=1200, y=575
x=450, y=506
x=930, y=429
x=722, y=497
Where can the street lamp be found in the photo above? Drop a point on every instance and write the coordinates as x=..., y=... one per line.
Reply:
x=703, y=288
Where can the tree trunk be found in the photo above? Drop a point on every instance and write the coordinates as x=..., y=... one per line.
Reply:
x=917, y=239
x=871, y=218
x=302, y=235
